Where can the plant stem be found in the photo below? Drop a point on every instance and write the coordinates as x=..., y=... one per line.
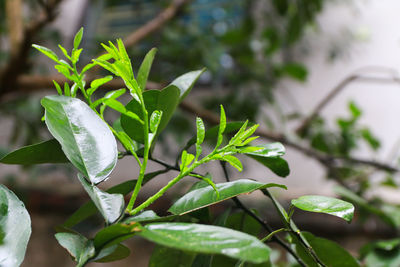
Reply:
x=270, y=235
x=143, y=166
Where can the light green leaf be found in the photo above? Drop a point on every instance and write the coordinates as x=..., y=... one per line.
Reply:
x=77, y=245
x=58, y=88
x=15, y=229
x=155, y=120
x=199, y=238
x=78, y=38
x=97, y=83
x=222, y=126
x=233, y=161
x=328, y=205
x=50, y=54
x=186, y=82
x=111, y=206
x=144, y=69
x=168, y=257
x=46, y=152
x=206, y=196
x=85, y=139
x=200, y=131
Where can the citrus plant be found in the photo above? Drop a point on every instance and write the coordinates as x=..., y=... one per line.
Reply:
x=189, y=236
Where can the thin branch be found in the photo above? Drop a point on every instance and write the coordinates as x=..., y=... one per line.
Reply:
x=263, y=223
x=155, y=24
x=338, y=89
x=19, y=59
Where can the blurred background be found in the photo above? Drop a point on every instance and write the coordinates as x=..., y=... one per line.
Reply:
x=319, y=76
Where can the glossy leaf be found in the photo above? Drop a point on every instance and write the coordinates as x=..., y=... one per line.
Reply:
x=144, y=69
x=112, y=253
x=270, y=156
x=85, y=139
x=328, y=205
x=97, y=83
x=200, y=131
x=15, y=229
x=111, y=206
x=115, y=234
x=165, y=101
x=206, y=196
x=233, y=161
x=45, y=152
x=77, y=245
x=147, y=215
x=208, y=239
x=329, y=252
x=155, y=120
x=168, y=257
x=186, y=82
x=88, y=209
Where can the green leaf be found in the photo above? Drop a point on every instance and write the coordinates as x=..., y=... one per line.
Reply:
x=64, y=51
x=212, y=133
x=186, y=82
x=328, y=205
x=147, y=215
x=269, y=156
x=200, y=131
x=233, y=161
x=15, y=229
x=88, y=209
x=206, y=196
x=58, y=88
x=329, y=252
x=85, y=139
x=111, y=206
x=208, y=239
x=144, y=69
x=385, y=253
x=78, y=38
x=165, y=101
x=97, y=83
x=113, y=253
x=45, y=152
x=222, y=126
x=50, y=54
x=77, y=245
x=296, y=71
x=168, y=257
x=155, y=120
x=114, y=234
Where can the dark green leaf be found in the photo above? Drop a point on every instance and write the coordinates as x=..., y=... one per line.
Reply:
x=208, y=239
x=328, y=205
x=329, y=252
x=77, y=245
x=206, y=196
x=85, y=139
x=113, y=253
x=147, y=215
x=168, y=257
x=111, y=206
x=165, y=101
x=269, y=156
x=15, y=229
x=144, y=69
x=186, y=82
x=115, y=234
x=46, y=152
x=296, y=71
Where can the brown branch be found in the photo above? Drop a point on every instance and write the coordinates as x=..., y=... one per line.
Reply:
x=336, y=90
x=18, y=61
x=155, y=24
